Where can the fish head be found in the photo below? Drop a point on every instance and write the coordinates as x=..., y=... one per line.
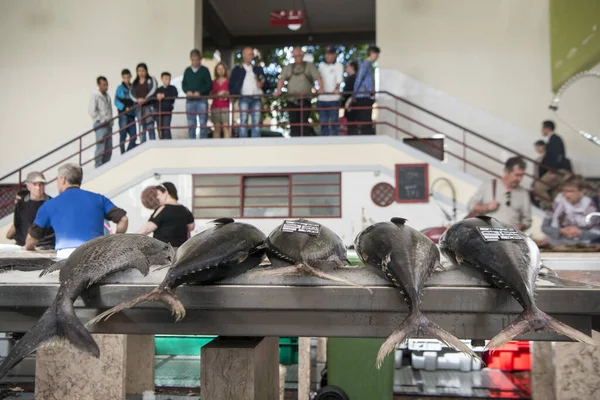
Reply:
x=160, y=254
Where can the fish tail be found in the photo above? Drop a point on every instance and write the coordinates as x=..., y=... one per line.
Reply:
x=162, y=294
x=320, y=274
x=271, y=272
x=537, y=320
x=56, y=327
x=418, y=324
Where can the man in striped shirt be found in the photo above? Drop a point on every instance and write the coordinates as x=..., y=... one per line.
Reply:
x=364, y=89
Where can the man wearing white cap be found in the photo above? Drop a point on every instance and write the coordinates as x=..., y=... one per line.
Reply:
x=26, y=211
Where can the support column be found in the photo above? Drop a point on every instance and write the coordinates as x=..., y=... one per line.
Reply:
x=140, y=364
x=303, y=368
x=240, y=369
x=64, y=373
x=577, y=370
x=565, y=370
x=228, y=57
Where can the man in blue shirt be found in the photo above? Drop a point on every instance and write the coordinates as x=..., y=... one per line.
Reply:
x=75, y=215
x=364, y=88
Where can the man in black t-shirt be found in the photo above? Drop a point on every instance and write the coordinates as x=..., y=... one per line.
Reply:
x=26, y=210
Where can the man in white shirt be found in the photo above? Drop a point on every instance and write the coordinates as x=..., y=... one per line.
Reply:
x=100, y=109
x=332, y=74
x=248, y=80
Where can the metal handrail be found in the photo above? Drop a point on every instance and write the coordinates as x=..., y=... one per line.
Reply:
x=158, y=113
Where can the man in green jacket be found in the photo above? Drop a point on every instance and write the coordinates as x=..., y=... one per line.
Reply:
x=196, y=83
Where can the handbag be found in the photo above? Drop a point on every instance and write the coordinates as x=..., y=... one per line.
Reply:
x=474, y=213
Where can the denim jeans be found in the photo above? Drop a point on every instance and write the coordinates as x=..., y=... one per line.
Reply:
x=146, y=122
x=197, y=109
x=165, y=125
x=124, y=120
x=104, y=143
x=245, y=105
x=329, y=118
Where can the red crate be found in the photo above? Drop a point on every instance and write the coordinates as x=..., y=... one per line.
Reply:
x=513, y=356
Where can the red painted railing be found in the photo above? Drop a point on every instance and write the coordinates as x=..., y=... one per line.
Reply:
x=76, y=149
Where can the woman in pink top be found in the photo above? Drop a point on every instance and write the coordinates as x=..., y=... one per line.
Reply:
x=220, y=105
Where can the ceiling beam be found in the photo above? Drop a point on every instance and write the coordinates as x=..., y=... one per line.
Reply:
x=215, y=28
x=296, y=39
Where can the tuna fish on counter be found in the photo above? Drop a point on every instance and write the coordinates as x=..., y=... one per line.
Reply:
x=510, y=261
x=303, y=247
x=89, y=264
x=226, y=250
x=407, y=258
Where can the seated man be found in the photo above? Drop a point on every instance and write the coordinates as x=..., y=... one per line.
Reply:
x=76, y=215
x=512, y=204
x=565, y=222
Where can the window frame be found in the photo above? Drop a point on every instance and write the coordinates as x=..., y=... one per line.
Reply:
x=289, y=194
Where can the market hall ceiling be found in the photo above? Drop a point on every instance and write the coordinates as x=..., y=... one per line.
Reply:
x=233, y=23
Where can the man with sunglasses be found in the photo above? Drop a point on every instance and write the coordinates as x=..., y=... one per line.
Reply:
x=504, y=199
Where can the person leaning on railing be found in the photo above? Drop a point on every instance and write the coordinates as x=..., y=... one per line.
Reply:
x=165, y=95
x=565, y=222
x=300, y=77
x=248, y=80
x=363, y=92
x=100, y=109
x=142, y=92
x=125, y=105
x=219, y=112
x=196, y=83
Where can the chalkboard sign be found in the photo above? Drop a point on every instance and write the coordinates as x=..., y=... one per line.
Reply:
x=412, y=183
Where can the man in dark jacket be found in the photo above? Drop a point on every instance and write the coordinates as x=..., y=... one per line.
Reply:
x=166, y=99
x=248, y=80
x=557, y=167
x=555, y=148
x=351, y=115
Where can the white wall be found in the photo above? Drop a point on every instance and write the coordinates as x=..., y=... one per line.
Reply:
x=358, y=210
x=491, y=54
x=51, y=52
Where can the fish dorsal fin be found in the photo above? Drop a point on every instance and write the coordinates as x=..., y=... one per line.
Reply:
x=399, y=221
x=223, y=221
x=485, y=218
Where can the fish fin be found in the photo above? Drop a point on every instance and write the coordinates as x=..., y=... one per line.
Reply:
x=58, y=324
x=415, y=324
x=537, y=320
x=485, y=218
x=292, y=270
x=162, y=294
x=320, y=274
x=439, y=267
x=399, y=221
x=386, y=260
x=54, y=267
x=222, y=221
x=259, y=247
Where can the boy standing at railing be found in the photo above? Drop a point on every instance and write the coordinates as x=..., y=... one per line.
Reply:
x=123, y=104
x=166, y=99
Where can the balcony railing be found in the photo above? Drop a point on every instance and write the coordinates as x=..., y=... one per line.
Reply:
x=400, y=118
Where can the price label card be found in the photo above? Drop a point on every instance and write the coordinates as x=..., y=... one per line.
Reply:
x=304, y=227
x=497, y=234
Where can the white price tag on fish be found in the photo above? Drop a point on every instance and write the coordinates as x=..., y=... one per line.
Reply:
x=497, y=234
x=304, y=227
